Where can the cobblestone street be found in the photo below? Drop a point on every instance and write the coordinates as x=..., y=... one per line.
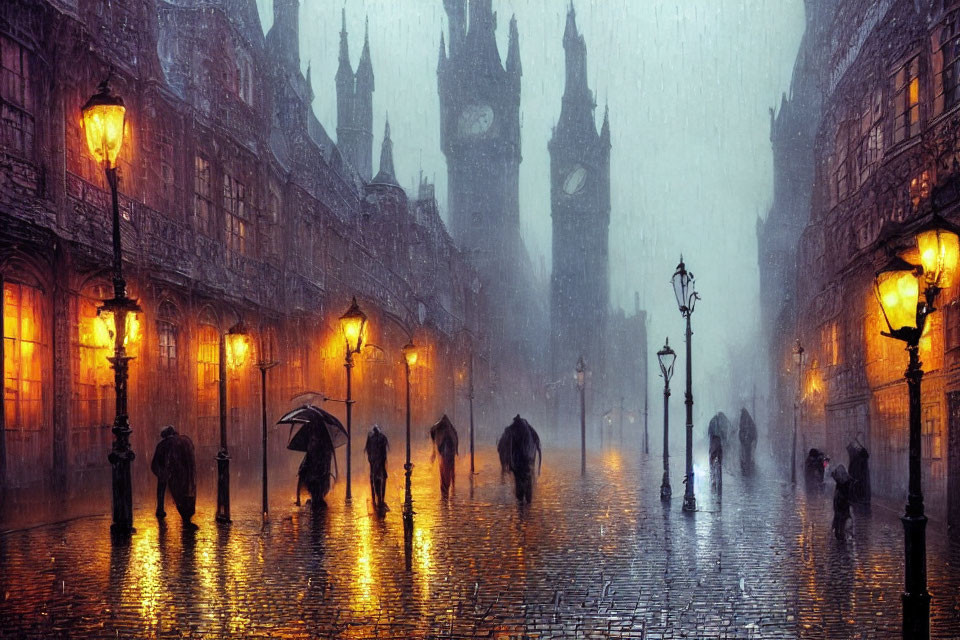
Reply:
x=595, y=559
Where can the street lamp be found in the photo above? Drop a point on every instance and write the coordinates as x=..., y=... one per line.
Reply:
x=353, y=324
x=798, y=353
x=265, y=363
x=409, y=359
x=897, y=288
x=234, y=347
x=581, y=374
x=103, y=117
x=667, y=357
x=685, y=290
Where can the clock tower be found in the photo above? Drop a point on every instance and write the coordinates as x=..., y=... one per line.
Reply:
x=580, y=208
x=480, y=137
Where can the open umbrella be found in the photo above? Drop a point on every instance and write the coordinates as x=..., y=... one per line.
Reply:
x=312, y=418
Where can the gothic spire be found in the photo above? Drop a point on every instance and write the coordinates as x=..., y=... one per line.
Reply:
x=605, y=129
x=442, y=59
x=387, y=174
x=345, y=71
x=576, y=57
x=513, y=52
x=365, y=66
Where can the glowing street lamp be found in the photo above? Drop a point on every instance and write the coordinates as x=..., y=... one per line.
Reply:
x=353, y=324
x=234, y=350
x=409, y=359
x=798, y=354
x=685, y=290
x=103, y=118
x=666, y=357
x=898, y=287
x=580, y=375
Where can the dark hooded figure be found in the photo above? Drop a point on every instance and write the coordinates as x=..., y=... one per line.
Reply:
x=444, y=438
x=717, y=430
x=859, y=473
x=376, y=450
x=841, y=502
x=175, y=467
x=748, y=441
x=314, y=473
x=519, y=446
x=814, y=467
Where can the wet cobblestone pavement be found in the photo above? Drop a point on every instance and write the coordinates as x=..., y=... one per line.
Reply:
x=599, y=558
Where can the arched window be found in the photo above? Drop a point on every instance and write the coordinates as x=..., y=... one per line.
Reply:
x=25, y=354
x=168, y=324
x=93, y=381
x=208, y=378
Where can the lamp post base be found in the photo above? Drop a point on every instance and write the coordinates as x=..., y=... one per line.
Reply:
x=689, y=500
x=665, y=491
x=223, y=487
x=916, y=599
x=120, y=459
x=407, y=493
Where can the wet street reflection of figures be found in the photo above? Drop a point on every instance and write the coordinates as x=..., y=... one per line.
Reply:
x=599, y=556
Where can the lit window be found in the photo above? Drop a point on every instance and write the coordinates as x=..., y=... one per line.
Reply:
x=202, y=202
x=167, y=336
x=234, y=207
x=906, y=100
x=16, y=104
x=208, y=377
x=24, y=352
x=93, y=395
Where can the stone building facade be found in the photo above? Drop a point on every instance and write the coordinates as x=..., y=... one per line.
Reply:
x=885, y=156
x=236, y=205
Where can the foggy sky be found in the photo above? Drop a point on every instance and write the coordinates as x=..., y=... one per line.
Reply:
x=689, y=84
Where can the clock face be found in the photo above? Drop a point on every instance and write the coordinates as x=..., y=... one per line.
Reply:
x=573, y=184
x=476, y=120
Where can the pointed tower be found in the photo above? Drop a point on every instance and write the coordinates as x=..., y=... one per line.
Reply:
x=363, y=109
x=387, y=174
x=580, y=211
x=355, y=105
x=284, y=36
x=457, y=17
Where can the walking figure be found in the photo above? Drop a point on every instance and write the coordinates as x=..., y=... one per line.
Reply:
x=376, y=450
x=841, y=502
x=175, y=467
x=717, y=430
x=444, y=437
x=519, y=447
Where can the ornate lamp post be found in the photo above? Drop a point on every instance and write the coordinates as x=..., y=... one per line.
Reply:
x=898, y=287
x=353, y=324
x=470, y=398
x=581, y=374
x=265, y=363
x=684, y=288
x=798, y=354
x=103, y=118
x=409, y=359
x=667, y=357
x=233, y=354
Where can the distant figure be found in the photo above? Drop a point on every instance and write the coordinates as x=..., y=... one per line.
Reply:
x=445, y=440
x=719, y=426
x=859, y=473
x=814, y=467
x=841, y=502
x=519, y=447
x=376, y=450
x=175, y=467
x=748, y=441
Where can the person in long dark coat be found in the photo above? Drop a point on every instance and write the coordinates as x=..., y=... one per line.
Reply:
x=717, y=430
x=859, y=473
x=314, y=472
x=519, y=447
x=376, y=450
x=814, y=467
x=444, y=437
x=841, y=502
x=748, y=441
x=174, y=465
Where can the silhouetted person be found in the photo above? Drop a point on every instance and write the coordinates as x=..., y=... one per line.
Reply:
x=445, y=439
x=314, y=473
x=841, y=502
x=859, y=473
x=519, y=446
x=376, y=450
x=175, y=467
x=748, y=441
x=717, y=430
x=814, y=467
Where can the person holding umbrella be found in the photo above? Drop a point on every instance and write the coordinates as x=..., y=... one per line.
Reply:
x=319, y=436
